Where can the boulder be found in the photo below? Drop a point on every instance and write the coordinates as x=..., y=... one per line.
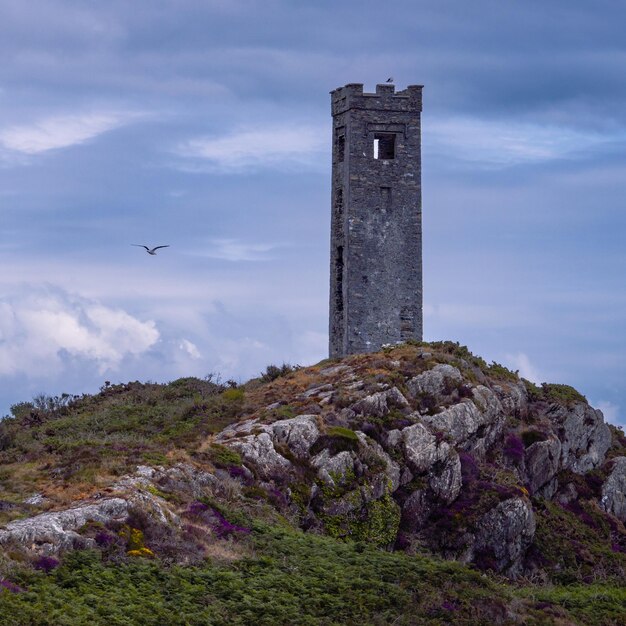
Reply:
x=614, y=490
x=415, y=511
x=584, y=436
x=256, y=442
x=372, y=454
x=504, y=533
x=434, y=382
x=298, y=434
x=182, y=478
x=379, y=404
x=420, y=447
x=56, y=531
x=239, y=429
x=426, y=454
x=513, y=398
x=332, y=469
x=445, y=480
x=543, y=460
x=258, y=451
x=474, y=424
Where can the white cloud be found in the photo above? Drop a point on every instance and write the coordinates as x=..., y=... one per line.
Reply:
x=504, y=143
x=61, y=131
x=521, y=362
x=190, y=348
x=278, y=146
x=236, y=250
x=38, y=331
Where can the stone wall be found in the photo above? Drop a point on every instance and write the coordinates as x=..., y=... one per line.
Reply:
x=376, y=227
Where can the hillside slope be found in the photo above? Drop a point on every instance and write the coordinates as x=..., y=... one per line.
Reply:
x=422, y=450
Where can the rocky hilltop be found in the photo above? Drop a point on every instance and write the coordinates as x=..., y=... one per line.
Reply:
x=421, y=449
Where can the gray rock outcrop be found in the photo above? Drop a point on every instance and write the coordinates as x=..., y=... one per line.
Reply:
x=379, y=404
x=584, y=436
x=443, y=460
x=298, y=434
x=506, y=532
x=53, y=532
x=614, y=490
x=543, y=461
x=474, y=424
x=434, y=382
x=425, y=454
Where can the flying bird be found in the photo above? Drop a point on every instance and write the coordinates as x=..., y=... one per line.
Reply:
x=151, y=251
x=390, y=79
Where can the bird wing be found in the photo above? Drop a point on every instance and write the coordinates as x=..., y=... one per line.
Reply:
x=158, y=247
x=140, y=246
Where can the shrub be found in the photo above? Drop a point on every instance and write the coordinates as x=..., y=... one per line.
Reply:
x=339, y=431
x=499, y=371
x=336, y=439
x=562, y=394
x=143, y=552
x=46, y=563
x=469, y=468
x=9, y=586
x=234, y=394
x=552, y=392
x=514, y=448
x=224, y=528
x=104, y=539
x=222, y=456
x=465, y=391
x=533, y=436
x=272, y=372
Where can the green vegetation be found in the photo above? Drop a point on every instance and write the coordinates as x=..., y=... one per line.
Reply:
x=552, y=392
x=563, y=394
x=295, y=579
x=336, y=439
x=531, y=436
x=459, y=352
x=272, y=372
x=579, y=543
x=89, y=440
x=237, y=557
x=344, y=433
x=221, y=456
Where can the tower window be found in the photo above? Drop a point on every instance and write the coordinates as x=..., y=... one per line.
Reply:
x=384, y=146
x=339, y=280
x=340, y=143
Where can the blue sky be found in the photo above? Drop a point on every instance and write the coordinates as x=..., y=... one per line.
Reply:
x=206, y=125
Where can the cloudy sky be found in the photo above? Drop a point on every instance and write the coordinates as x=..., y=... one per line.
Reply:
x=205, y=124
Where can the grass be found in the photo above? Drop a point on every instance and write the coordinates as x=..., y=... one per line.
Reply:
x=295, y=579
x=579, y=543
x=553, y=392
x=89, y=441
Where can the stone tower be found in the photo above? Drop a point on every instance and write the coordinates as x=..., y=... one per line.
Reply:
x=376, y=228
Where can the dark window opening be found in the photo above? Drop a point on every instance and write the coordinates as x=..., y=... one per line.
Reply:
x=340, y=143
x=384, y=146
x=339, y=280
x=339, y=201
x=338, y=214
